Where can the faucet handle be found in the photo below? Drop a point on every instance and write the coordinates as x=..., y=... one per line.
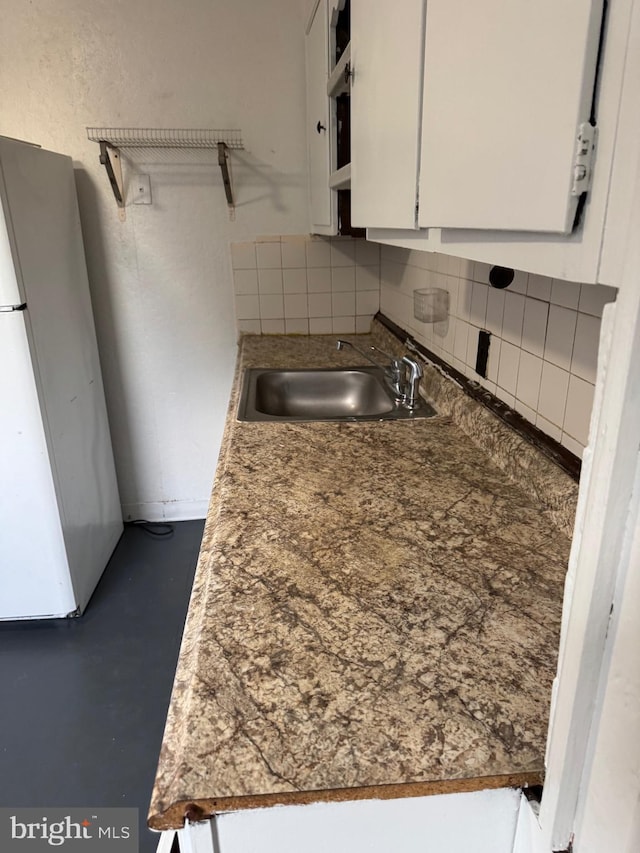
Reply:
x=391, y=358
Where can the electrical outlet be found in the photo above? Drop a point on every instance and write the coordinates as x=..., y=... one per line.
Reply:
x=141, y=189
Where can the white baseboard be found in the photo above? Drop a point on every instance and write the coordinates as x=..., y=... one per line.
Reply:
x=165, y=510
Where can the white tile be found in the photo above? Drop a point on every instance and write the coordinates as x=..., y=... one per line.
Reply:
x=416, y=279
x=593, y=298
x=472, y=347
x=343, y=304
x=343, y=252
x=453, y=266
x=466, y=269
x=294, y=280
x=367, y=278
x=388, y=300
x=319, y=280
x=442, y=263
x=512, y=318
x=493, y=362
x=446, y=332
x=367, y=302
x=529, y=373
x=490, y=386
x=572, y=445
x=268, y=256
x=245, y=281
x=450, y=284
x=548, y=428
x=585, y=347
x=319, y=304
x=459, y=365
x=294, y=253
x=320, y=326
x=481, y=272
x=343, y=279
x=461, y=339
x=271, y=307
x=534, y=327
x=363, y=325
x=391, y=274
x=269, y=281
x=478, y=310
x=243, y=256
x=565, y=293
x=248, y=327
x=296, y=327
x=394, y=253
x=519, y=283
x=507, y=398
x=343, y=325
x=367, y=253
x=539, y=287
x=465, y=292
x=526, y=411
x=495, y=310
x=578, y=411
x=553, y=394
x=508, y=369
x=295, y=306
x=268, y=238
x=247, y=307
x=423, y=260
x=561, y=328
x=319, y=252
x=272, y=327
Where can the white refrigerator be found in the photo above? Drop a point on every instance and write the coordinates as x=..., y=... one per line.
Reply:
x=60, y=515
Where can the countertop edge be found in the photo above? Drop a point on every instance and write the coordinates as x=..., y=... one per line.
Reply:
x=204, y=809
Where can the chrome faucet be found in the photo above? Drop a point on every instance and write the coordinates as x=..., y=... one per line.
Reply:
x=405, y=388
x=412, y=383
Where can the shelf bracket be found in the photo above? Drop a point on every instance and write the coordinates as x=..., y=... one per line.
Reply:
x=223, y=162
x=111, y=162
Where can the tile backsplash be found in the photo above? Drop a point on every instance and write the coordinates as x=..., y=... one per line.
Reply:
x=305, y=285
x=544, y=334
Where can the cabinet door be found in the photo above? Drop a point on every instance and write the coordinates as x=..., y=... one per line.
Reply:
x=506, y=85
x=321, y=132
x=386, y=61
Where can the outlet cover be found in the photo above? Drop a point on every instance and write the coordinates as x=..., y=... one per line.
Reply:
x=141, y=186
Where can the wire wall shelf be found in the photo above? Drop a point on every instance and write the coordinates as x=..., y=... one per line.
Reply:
x=153, y=137
x=142, y=143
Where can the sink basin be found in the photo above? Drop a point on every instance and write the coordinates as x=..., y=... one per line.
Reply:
x=330, y=394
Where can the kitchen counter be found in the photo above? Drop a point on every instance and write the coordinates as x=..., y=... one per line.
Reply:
x=376, y=609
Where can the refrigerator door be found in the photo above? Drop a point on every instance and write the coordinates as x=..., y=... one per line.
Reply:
x=38, y=190
x=34, y=576
x=11, y=294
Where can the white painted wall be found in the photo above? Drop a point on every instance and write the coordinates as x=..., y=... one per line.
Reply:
x=161, y=281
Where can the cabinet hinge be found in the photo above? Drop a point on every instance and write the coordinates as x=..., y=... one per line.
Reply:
x=583, y=160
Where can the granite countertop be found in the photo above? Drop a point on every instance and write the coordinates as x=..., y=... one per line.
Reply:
x=376, y=609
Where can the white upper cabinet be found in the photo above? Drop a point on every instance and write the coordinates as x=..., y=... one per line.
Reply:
x=507, y=86
x=386, y=85
x=321, y=133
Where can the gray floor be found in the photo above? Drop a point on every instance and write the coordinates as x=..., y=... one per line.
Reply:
x=84, y=701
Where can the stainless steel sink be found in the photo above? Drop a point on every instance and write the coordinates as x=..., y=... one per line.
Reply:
x=330, y=394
